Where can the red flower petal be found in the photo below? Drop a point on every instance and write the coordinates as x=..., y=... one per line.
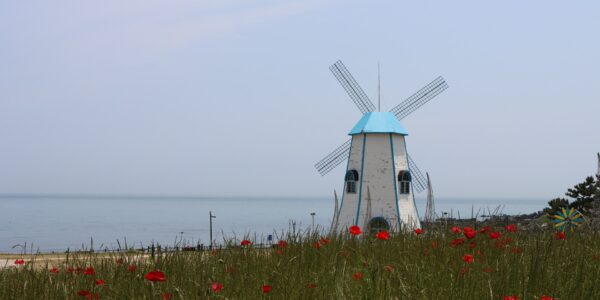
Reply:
x=155, y=276
x=469, y=232
x=511, y=228
x=494, y=235
x=468, y=258
x=354, y=230
x=383, y=235
x=89, y=271
x=216, y=287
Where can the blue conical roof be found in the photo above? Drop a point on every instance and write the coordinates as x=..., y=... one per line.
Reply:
x=378, y=122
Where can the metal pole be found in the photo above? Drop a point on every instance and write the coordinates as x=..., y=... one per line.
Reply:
x=313, y=221
x=211, y=235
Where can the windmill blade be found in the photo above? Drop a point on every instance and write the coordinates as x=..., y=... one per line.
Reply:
x=419, y=181
x=334, y=158
x=421, y=97
x=352, y=88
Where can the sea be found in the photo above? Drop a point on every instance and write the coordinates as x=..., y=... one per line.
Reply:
x=57, y=223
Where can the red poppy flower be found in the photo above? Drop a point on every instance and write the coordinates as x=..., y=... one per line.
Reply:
x=282, y=244
x=245, y=243
x=354, y=230
x=456, y=229
x=463, y=271
x=383, y=235
x=544, y=297
x=19, y=262
x=457, y=242
x=324, y=241
x=131, y=268
x=418, y=231
x=472, y=245
x=54, y=270
x=357, y=276
x=216, y=287
x=119, y=261
x=485, y=229
x=468, y=258
x=469, y=232
x=84, y=293
x=511, y=228
x=494, y=235
x=560, y=235
x=155, y=275
x=266, y=288
x=316, y=245
x=167, y=296
x=89, y=271
x=513, y=297
x=100, y=282
x=389, y=269
x=70, y=270
x=311, y=285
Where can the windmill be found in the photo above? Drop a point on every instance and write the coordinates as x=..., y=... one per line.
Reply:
x=377, y=162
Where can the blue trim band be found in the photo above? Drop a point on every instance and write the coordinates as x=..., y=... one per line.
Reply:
x=395, y=183
x=344, y=191
x=362, y=169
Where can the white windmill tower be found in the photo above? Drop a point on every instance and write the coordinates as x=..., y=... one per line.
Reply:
x=381, y=178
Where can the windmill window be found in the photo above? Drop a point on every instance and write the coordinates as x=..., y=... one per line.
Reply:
x=378, y=224
x=351, y=179
x=404, y=179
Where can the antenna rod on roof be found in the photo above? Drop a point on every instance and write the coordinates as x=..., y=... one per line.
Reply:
x=378, y=87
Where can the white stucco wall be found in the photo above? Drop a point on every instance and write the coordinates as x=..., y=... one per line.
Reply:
x=377, y=179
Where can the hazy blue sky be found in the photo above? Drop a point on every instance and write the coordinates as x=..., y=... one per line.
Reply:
x=232, y=97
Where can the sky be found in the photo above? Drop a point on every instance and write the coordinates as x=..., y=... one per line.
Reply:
x=235, y=98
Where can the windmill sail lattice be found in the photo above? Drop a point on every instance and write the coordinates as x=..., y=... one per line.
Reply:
x=419, y=98
x=420, y=183
x=355, y=92
x=334, y=158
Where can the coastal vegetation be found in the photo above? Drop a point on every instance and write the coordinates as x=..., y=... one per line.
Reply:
x=496, y=261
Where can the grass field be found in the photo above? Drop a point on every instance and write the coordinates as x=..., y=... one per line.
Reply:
x=436, y=264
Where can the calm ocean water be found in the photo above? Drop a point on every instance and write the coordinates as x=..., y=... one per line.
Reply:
x=56, y=223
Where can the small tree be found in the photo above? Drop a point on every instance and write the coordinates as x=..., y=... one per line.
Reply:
x=555, y=205
x=584, y=194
